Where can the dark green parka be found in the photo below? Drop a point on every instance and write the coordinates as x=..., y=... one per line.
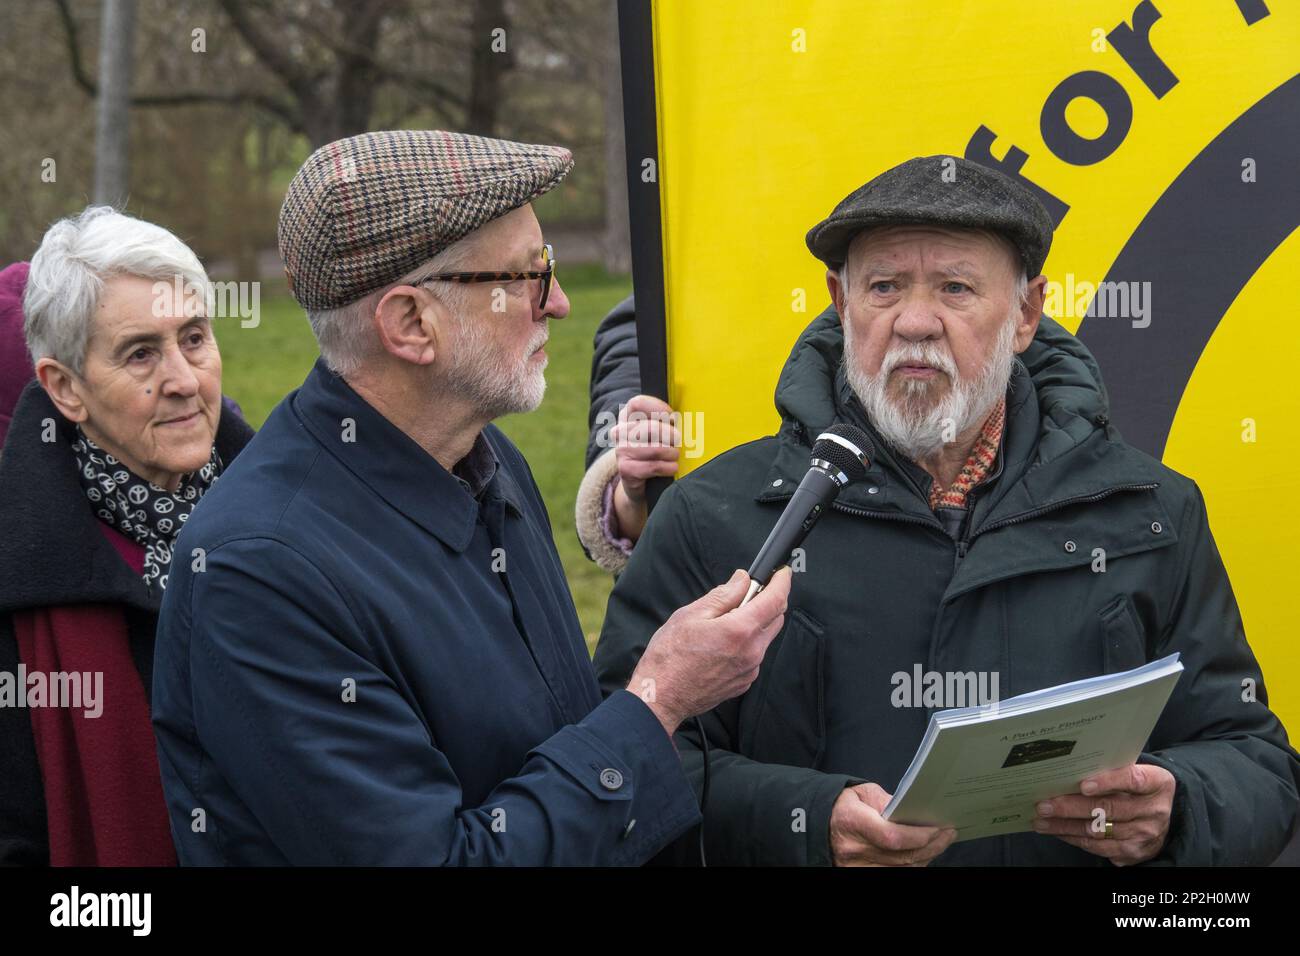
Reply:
x=1018, y=591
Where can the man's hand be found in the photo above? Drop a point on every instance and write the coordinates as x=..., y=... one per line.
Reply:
x=647, y=445
x=1137, y=799
x=860, y=836
x=709, y=651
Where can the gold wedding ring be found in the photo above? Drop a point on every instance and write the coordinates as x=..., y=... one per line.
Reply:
x=1109, y=829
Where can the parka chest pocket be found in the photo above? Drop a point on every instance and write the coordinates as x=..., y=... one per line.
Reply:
x=1123, y=640
x=783, y=716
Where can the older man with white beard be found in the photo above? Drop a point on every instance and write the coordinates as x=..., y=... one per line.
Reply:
x=370, y=654
x=944, y=416
x=971, y=549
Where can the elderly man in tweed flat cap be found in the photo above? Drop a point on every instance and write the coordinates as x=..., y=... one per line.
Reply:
x=1005, y=532
x=371, y=655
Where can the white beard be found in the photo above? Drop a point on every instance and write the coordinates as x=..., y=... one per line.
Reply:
x=916, y=426
x=495, y=388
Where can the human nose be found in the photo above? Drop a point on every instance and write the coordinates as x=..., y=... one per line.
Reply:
x=557, y=303
x=918, y=318
x=178, y=376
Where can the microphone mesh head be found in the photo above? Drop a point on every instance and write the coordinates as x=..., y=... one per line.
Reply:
x=848, y=448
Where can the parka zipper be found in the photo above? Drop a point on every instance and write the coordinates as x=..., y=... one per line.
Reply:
x=868, y=513
x=963, y=546
x=1052, y=506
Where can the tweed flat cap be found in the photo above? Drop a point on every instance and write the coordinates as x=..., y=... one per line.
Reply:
x=917, y=191
x=364, y=211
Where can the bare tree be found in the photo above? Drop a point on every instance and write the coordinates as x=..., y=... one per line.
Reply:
x=618, y=241
x=490, y=57
x=227, y=95
x=113, y=104
x=325, y=61
x=237, y=96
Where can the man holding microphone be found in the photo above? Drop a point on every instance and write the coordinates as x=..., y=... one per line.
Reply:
x=368, y=653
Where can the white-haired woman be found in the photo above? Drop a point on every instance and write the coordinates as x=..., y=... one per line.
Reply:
x=108, y=453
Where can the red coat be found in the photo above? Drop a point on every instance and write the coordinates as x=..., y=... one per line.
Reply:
x=77, y=789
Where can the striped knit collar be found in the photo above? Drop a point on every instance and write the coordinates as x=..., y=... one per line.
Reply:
x=978, y=463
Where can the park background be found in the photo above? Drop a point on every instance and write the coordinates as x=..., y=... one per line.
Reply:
x=209, y=107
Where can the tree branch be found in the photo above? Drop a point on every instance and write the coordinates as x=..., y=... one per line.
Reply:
x=184, y=98
x=344, y=47
x=74, y=48
x=270, y=53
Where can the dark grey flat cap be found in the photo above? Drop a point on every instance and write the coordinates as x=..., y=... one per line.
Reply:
x=918, y=192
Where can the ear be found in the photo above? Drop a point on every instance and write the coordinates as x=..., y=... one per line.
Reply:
x=836, y=290
x=407, y=319
x=1030, y=313
x=64, y=389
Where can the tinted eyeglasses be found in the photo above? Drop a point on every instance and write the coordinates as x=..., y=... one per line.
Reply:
x=546, y=275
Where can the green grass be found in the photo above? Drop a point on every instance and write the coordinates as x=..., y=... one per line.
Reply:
x=262, y=364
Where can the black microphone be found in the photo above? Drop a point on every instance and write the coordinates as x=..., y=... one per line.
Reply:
x=841, y=454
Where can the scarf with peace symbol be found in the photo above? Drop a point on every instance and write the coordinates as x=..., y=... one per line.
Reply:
x=150, y=515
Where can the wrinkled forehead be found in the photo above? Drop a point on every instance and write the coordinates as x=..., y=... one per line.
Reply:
x=907, y=246
x=133, y=306
x=136, y=299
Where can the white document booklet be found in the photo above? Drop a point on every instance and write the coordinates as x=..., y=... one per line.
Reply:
x=982, y=769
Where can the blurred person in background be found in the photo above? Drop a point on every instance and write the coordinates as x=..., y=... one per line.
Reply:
x=632, y=439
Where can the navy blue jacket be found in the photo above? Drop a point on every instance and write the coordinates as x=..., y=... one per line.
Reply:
x=360, y=662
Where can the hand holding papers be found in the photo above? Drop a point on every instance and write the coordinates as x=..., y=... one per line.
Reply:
x=982, y=769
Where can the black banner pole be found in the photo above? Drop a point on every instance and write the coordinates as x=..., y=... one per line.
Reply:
x=636, y=50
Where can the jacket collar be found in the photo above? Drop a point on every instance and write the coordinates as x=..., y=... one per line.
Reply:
x=390, y=462
x=1057, y=445
x=53, y=551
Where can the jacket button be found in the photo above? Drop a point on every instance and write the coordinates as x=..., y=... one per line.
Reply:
x=611, y=779
x=873, y=490
x=1070, y=547
x=1157, y=527
x=777, y=483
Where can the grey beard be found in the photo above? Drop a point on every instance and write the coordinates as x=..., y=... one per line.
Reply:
x=915, y=427
x=478, y=375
